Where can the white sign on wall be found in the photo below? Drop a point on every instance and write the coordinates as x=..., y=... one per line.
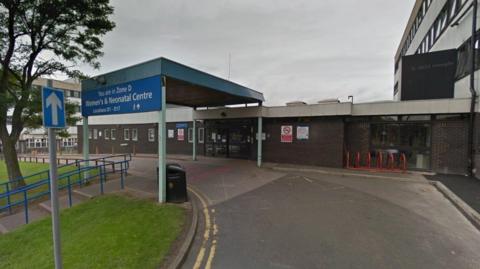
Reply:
x=171, y=133
x=302, y=132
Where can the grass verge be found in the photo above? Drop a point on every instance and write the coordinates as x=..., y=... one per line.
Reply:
x=111, y=231
x=25, y=167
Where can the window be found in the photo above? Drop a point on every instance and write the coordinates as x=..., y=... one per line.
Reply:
x=190, y=135
x=95, y=133
x=126, y=134
x=90, y=132
x=416, y=118
x=201, y=135
x=134, y=134
x=450, y=117
x=69, y=142
x=113, y=134
x=31, y=143
x=151, y=135
x=107, y=134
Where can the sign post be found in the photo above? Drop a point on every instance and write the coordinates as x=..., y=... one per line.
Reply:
x=53, y=107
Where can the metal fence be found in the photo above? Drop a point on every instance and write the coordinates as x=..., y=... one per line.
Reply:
x=73, y=173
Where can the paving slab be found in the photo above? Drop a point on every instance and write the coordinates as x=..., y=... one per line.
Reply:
x=63, y=202
x=467, y=188
x=11, y=222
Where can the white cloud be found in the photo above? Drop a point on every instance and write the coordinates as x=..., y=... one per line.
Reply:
x=289, y=50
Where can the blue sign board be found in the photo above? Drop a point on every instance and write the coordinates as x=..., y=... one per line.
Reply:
x=53, y=107
x=181, y=125
x=131, y=97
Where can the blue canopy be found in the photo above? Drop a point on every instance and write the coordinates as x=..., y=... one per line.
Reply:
x=185, y=86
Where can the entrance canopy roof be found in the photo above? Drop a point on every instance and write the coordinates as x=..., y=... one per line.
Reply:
x=185, y=86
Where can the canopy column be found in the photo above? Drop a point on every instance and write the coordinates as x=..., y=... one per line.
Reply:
x=162, y=144
x=259, y=142
x=194, y=137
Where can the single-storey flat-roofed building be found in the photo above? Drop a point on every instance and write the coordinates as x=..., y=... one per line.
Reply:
x=432, y=134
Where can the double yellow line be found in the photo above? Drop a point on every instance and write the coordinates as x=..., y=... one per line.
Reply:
x=210, y=227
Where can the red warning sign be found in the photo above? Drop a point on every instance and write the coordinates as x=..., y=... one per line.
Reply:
x=286, y=135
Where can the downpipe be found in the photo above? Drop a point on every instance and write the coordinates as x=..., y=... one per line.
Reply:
x=472, y=168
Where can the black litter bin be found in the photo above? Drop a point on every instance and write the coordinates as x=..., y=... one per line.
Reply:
x=176, y=183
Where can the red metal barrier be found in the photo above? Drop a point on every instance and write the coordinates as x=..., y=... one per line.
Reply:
x=403, y=162
x=348, y=160
x=384, y=161
x=379, y=160
x=390, y=161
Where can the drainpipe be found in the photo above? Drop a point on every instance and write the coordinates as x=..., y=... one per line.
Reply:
x=473, y=92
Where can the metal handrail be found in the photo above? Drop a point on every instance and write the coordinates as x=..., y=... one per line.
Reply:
x=67, y=176
x=77, y=163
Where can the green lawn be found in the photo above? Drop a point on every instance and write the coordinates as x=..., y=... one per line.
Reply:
x=107, y=232
x=27, y=169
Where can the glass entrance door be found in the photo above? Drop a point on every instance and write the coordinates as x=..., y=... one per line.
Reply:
x=217, y=142
x=229, y=138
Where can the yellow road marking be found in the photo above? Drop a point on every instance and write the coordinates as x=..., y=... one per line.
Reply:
x=212, y=254
x=213, y=247
x=206, y=235
x=198, y=261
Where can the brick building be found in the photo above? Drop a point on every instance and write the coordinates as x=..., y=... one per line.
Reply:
x=431, y=133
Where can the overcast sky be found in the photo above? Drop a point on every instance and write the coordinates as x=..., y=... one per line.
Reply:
x=289, y=50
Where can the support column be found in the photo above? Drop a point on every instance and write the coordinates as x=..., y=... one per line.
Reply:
x=162, y=143
x=194, y=137
x=86, y=146
x=86, y=142
x=259, y=142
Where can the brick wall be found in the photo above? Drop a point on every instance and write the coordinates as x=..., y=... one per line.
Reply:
x=323, y=148
x=450, y=146
x=357, y=138
x=143, y=145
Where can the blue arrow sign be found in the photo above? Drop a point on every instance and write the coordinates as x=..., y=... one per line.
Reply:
x=53, y=107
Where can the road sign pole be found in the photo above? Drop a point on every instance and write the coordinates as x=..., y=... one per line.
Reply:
x=162, y=143
x=53, y=108
x=52, y=154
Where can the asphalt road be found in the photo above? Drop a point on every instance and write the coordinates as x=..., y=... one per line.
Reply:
x=321, y=221
x=260, y=218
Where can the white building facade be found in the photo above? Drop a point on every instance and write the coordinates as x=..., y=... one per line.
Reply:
x=438, y=25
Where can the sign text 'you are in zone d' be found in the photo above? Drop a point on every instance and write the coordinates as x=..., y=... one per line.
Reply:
x=131, y=97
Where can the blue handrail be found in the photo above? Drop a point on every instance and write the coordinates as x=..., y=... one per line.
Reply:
x=77, y=177
x=126, y=157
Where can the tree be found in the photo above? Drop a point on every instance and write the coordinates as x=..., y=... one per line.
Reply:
x=41, y=38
